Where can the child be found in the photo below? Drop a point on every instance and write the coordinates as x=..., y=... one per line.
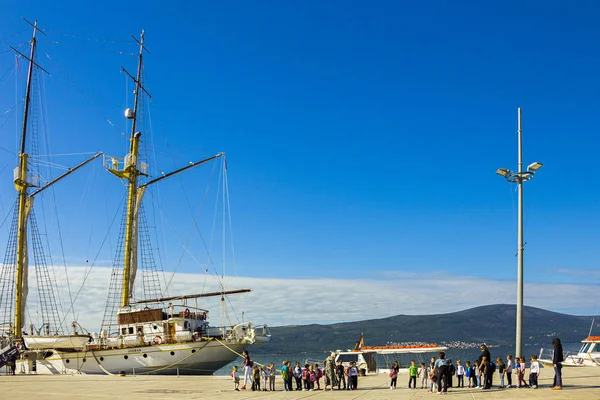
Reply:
x=486, y=374
x=501, y=367
x=256, y=378
x=340, y=374
x=522, y=375
x=432, y=378
x=236, y=378
x=271, y=373
x=520, y=369
x=318, y=376
x=412, y=374
x=477, y=374
x=298, y=375
x=353, y=376
x=306, y=377
x=469, y=374
x=534, y=372
x=285, y=375
x=264, y=376
x=394, y=375
x=460, y=374
x=508, y=371
x=424, y=374
x=312, y=377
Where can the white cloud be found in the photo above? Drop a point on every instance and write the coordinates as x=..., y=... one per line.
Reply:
x=324, y=300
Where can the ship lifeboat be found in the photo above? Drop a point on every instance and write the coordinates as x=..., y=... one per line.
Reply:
x=56, y=342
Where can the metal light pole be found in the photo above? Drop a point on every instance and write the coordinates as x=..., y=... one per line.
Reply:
x=520, y=176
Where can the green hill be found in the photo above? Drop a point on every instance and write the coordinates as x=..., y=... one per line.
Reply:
x=494, y=324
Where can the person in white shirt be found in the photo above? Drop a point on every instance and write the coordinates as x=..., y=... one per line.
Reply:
x=509, y=370
x=534, y=372
x=460, y=374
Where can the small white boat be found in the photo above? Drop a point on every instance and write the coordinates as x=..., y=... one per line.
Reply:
x=587, y=356
x=365, y=357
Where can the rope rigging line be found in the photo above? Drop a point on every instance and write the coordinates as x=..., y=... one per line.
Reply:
x=86, y=37
x=8, y=71
x=62, y=74
x=226, y=180
x=88, y=269
x=195, y=226
x=16, y=47
x=4, y=39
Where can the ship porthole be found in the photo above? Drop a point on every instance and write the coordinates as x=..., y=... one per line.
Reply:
x=84, y=360
x=193, y=350
x=145, y=355
x=154, y=327
x=172, y=353
x=126, y=357
x=68, y=361
x=101, y=358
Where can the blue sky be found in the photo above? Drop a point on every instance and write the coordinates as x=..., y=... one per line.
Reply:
x=362, y=137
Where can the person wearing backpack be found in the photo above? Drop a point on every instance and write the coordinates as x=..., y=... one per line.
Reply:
x=306, y=377
x=501, y=367
x=285, y=376
x=469, y=373
x=341, y=375
x=451, y=373
x=312, y=377
x=353, y=376
x=394, y=375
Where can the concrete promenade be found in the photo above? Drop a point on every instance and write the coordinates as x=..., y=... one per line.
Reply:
x=580, y=383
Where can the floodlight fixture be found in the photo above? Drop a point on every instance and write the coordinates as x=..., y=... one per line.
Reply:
x=535, y=166
x=503, y=171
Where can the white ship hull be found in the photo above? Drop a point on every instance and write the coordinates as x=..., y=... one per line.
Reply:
x=195, y=358
x=580, y=360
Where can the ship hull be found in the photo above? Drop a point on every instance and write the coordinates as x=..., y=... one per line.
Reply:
x=194, y=358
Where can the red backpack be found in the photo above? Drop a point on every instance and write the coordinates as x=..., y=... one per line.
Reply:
x=304, y=373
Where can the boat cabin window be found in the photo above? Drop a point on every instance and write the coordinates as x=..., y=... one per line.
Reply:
x=347, y=358
x=123, y=331
x=592, y=347
x=131, y=330
x=140, y=330
x=584, y=348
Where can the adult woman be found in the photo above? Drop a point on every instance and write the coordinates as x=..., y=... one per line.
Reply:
x=247, y=363
x=557, y=360
x=485, y=355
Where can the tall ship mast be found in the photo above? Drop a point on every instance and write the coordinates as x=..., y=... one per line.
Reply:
x=157, y=334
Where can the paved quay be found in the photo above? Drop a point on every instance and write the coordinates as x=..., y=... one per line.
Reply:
x=580, y=383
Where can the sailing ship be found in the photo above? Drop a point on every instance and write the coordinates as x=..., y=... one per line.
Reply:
x=158, y=335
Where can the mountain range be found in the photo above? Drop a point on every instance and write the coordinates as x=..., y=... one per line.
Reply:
x=492, y=324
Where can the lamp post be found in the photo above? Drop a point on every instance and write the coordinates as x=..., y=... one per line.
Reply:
x=520, y=177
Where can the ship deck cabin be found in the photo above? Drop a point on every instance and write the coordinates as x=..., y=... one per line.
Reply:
x=153, y=326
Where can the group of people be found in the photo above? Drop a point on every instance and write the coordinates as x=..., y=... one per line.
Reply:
x=480, y=374
x=308, y=378
x=436, y=377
